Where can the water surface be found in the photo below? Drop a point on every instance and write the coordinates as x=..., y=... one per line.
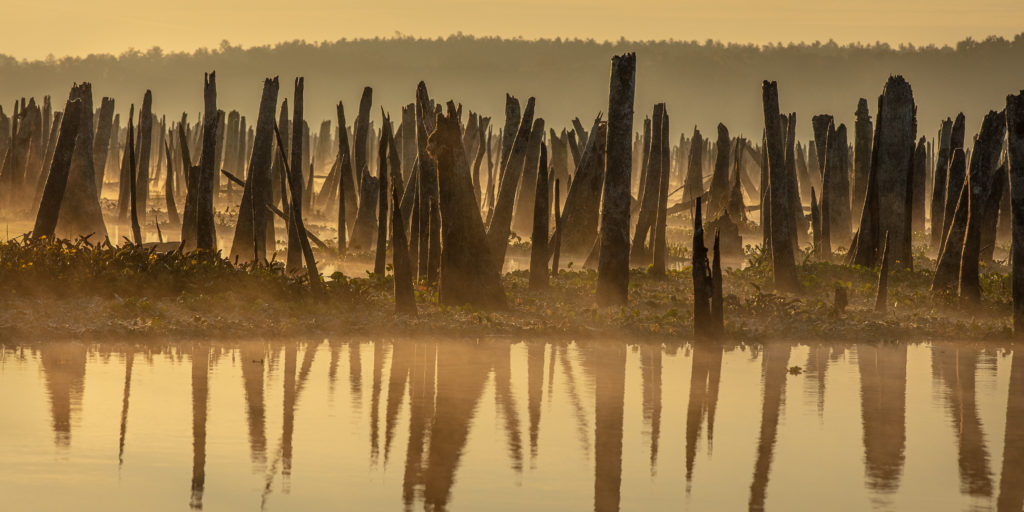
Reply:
x=503, y=425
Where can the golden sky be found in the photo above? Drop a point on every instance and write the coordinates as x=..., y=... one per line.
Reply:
x=80, y=27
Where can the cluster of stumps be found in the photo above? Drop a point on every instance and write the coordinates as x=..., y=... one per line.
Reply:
x=447, y=223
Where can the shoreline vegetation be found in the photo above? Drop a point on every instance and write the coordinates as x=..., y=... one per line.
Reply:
x=65, y=290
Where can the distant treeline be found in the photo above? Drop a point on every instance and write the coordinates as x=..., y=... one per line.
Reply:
x=702, y=83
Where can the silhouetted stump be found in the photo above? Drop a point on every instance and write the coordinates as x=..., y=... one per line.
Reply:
x=249, y=242
x=145, y=144
x=57, y=178
x=650, y=188
x=501, y=220
x=783, y=262
x=983, y=174
x=1015, y=158
x=862, y=130
x=469, y=274
x=891, y=168
x=955, y=176
x=541, y=219
x=613, y=264
x=80, y=213
x=702, y=280
x=405, y=299
x=206, y=235
x=939, y=183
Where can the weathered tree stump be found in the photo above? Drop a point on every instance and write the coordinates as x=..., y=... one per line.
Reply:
x=955, y=176
x=1015, y=159
x=469, y=274
x=57, y=178
x=541, y=218
x=405, y=298
x=80, y=213
x=983, y=173
x=862, y=130
x=206, y=234
x=501, y=220
x=783, y=260
x=939, y=183
x=658, y=236
x=892, y=167
x=702, y=280
x=145, y=144
x=249, y=242
x=613, y=264
x=650, y=188
x=719, y=193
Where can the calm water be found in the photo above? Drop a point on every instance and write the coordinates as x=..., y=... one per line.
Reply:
x=496, y=425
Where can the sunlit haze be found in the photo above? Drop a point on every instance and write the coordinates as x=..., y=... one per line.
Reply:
x=66, y=27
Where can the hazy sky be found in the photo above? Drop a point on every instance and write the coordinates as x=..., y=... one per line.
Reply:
x=80, y=27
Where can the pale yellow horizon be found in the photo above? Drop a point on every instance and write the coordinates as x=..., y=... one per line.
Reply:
x=61, y=28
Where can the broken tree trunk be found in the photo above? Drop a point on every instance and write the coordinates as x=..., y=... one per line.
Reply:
x=982, y=175
x=835, y=194
x=556, y=240
x=1015, y=160
x=862, y=156
x=501, y=220
x=539, y=236
x=613, y=262
x=947, y=265
x=702, y=281
x=658, y=235
x=891, y=166
x=80, y=213
x=362, y=132
x=939, y=183
x=101, y=144
x=145, y=143
x=693, y=186
x=57, y=178
x=295, y=189
x=172, y=208
x=469, y=274
x=249, y=242
x=206, y=234
x=133, y=176
x=405, y=299
x=650, y=188
x=783, y=261
x=955, y=177
x=522, y=211
x=719, y=193
x=920, y=177
x=380, y=256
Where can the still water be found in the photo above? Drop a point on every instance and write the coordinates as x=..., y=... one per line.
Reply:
x=502, y=425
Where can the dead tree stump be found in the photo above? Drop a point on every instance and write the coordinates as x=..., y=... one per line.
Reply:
x=613, y=263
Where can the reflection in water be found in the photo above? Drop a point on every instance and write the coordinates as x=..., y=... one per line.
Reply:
x=955, y=369
x=774, y=361
x=462, y=371
x=252, y=360
x=818, y=356
x=129, y=360
x=200, y=396
x=650, y=373
x=1011, y=486
x=440, y=387
x=535, y=386
x=422, y=389
x=64, y=367
x=606, y=364
x=883, y=390
x=704, y=378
